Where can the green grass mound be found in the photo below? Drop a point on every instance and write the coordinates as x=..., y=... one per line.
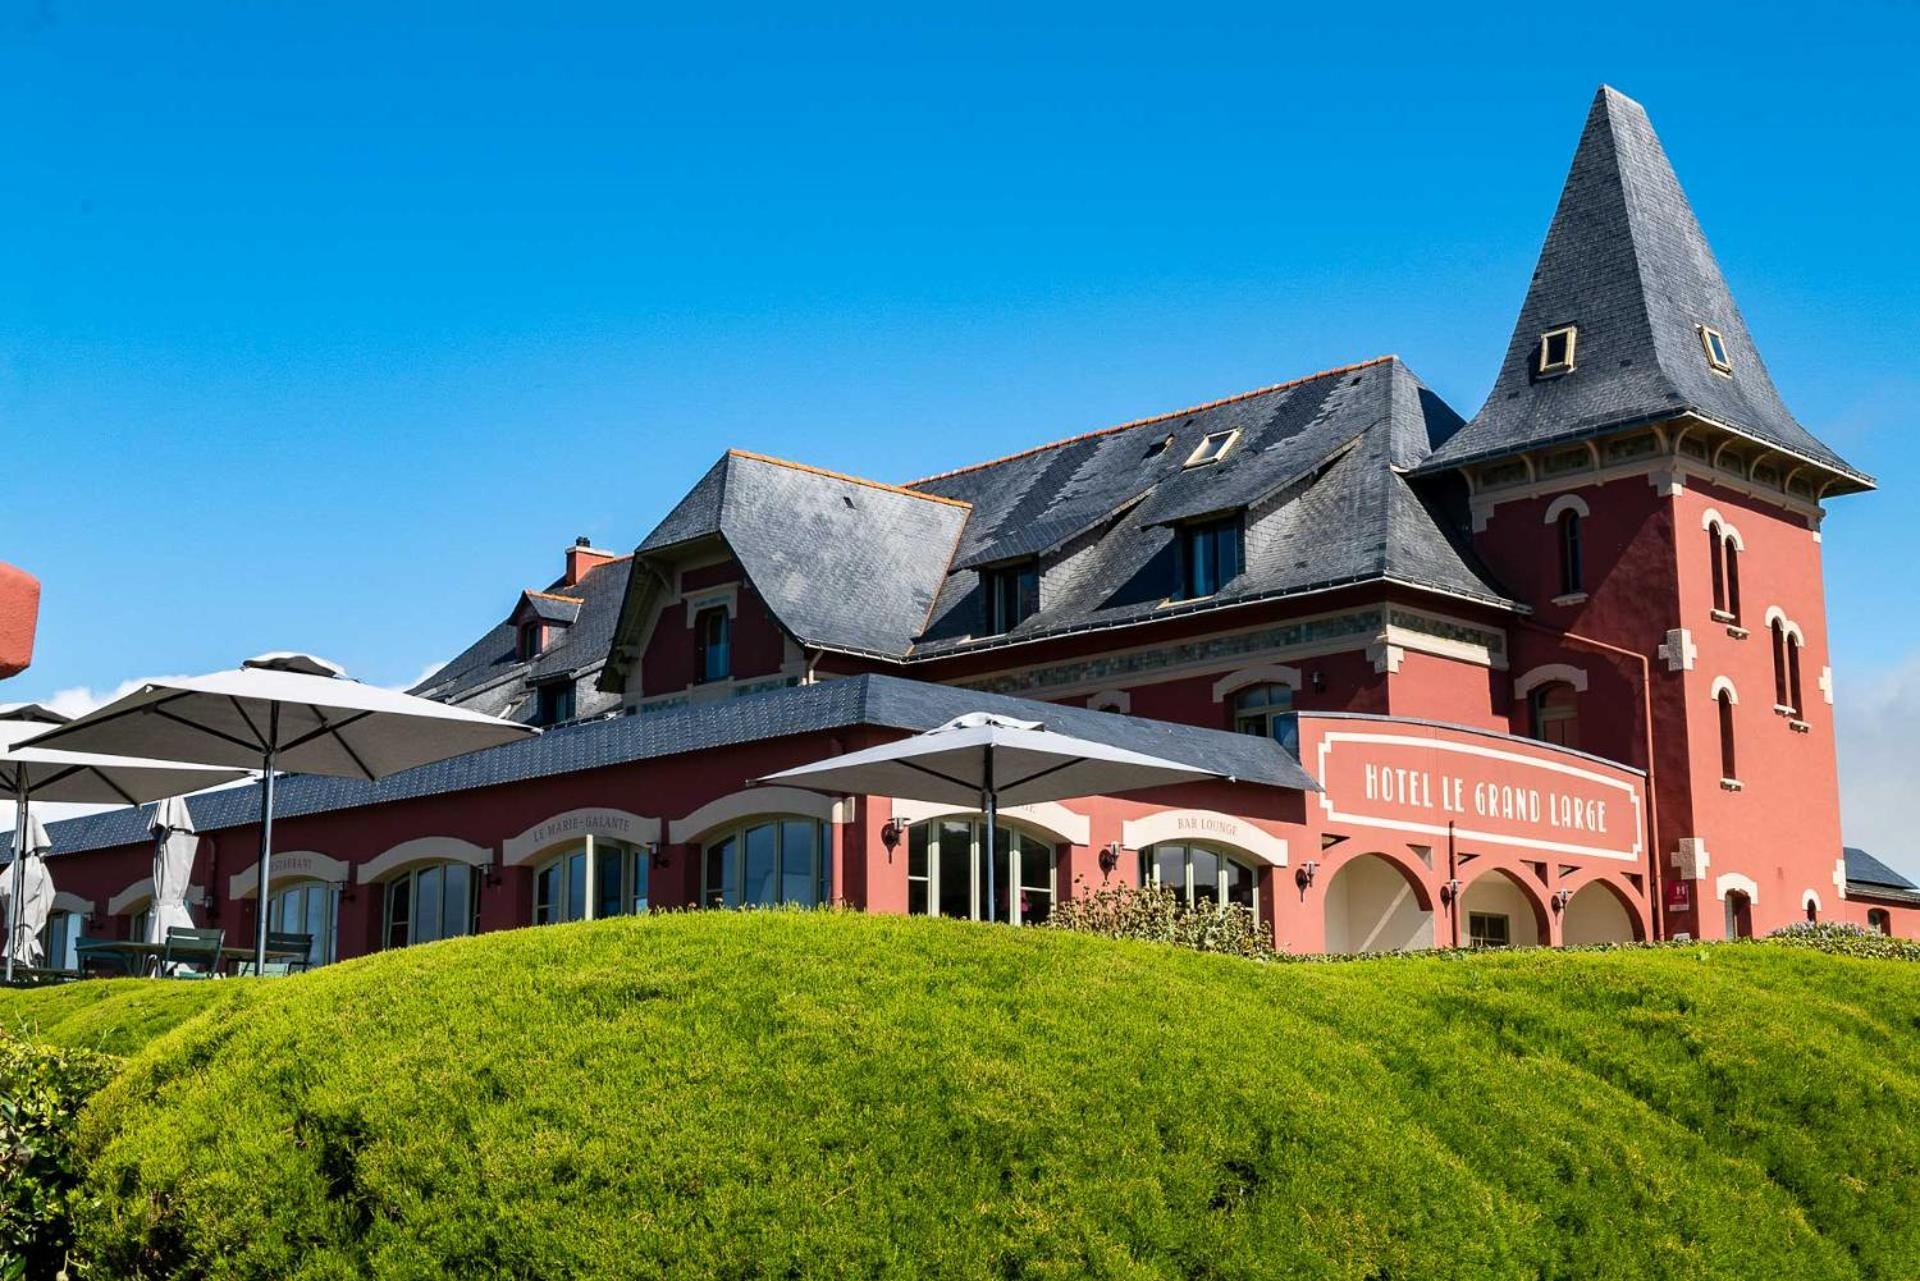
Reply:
x=784, y=1094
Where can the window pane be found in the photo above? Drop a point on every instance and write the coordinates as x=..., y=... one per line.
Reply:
x=576, y=885
x=758, y=888
x=723, y=880
x=1170, y=867
x=399, y=911
x=1002, y=890
x=458, y=917
x=428, y=905
x=799, y=854
x=956, y=869
x=1206, y=876
x=1036, y=880
x=1239, y=883
x=641, y=883
x=609, y=865
x=917, y=842
x=545, y=887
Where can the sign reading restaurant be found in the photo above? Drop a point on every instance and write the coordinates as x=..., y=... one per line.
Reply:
x=1487, y=789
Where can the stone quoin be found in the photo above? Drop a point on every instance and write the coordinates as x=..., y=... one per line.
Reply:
x=1558, y=673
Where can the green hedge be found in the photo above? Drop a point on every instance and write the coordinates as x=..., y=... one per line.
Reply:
x=42, y=1089
x=780, y=1094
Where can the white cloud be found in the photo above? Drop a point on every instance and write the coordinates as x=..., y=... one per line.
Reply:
x=1877, y=719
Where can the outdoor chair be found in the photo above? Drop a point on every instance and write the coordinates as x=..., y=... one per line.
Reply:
x=192, y=954
x=273, y=969
x=301, y=943
x=102, y=955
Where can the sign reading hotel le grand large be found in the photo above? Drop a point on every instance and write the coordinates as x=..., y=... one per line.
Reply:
x=1489, y=790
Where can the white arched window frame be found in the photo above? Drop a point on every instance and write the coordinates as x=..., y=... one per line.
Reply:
x=429, y=889
x=1202, y=873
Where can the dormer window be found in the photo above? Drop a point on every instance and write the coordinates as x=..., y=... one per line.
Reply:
x=553, y=703
x=1556, y=349
x=1716, y=348
x=1209, y=556
x=713, y=637
x=530, y=640
x=1012, y=595
x=1212, y=447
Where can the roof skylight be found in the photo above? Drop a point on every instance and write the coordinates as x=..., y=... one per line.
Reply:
x=1556, y=349
x=1716, y=349
x=1212, y=447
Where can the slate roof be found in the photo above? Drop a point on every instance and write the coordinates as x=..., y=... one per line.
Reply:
x=1319, y=465
x=843, y=563
x=1869, y=876
x=888, y=702
x=1625, y=261
x=490, y=676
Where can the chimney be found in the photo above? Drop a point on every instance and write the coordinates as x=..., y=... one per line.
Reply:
x=582, y=558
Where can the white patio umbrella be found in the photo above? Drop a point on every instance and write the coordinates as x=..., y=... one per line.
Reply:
x=28, y=770
x=990, y=760
x=29, y=893
x=174, y=844
x=289, y=712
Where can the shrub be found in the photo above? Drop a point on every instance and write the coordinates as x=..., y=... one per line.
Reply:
x=1842, y=939
x=1161, y=916
x=41, y=1090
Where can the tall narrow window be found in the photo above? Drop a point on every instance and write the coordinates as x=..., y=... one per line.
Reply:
x=1729, y=765
x=1209, y=556
x=1716, y=558
x=1570, y=576
x=1879, y=920
x=1012, y=595
x=1733, y=580
x=713, y=635
x=1793, y=676
x=527, y=645
x=1781, y=698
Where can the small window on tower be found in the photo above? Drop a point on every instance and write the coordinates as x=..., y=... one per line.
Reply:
x=1213, y=447
x=1556, y=349
x=1716, y=349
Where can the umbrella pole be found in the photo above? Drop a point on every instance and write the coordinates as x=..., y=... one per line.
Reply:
x=266, y=866
x=990, y=805
x=19, y=877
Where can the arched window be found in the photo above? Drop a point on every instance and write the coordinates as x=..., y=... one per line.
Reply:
x=769, y=861
x=616, y=871
x=1733, y=580
x=1813, y=912
x=1200, y=875
x=432, y=901
x=1267, y=710
x=1778, y=628
x=311, y=908
x=1553, y=713
x=1570, y=573
x=1793, y=675
x=1728, y=763
x=1879, y=920
x=947, y=873
x=1717, y=562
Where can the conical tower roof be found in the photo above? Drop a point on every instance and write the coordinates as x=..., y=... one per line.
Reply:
x=1626, y=263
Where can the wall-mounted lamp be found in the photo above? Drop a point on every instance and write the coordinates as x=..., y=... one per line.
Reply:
x=1449, y=892
x=1560, y=898
x=656, y=854
x=491, y=874
x=1303, y=875
x=1109, y=859
x=1317, y=681
x=891, y=834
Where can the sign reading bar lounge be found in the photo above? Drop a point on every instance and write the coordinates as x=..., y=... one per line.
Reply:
x=1490, y=790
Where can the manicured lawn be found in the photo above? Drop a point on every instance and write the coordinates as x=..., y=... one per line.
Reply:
x=816, y=1094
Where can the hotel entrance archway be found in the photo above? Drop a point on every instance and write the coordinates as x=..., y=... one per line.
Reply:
x=1498, y=910
x=1597, y=914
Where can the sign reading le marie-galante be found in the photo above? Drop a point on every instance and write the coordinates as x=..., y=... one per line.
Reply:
x=1488, y=790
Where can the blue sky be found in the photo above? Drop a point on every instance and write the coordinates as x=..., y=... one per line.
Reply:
x=328, y=328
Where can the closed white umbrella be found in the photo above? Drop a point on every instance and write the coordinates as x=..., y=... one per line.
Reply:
x=989, y=760
x=52, y=774
x=174, y=844
x=29, y=893
x=289, y=712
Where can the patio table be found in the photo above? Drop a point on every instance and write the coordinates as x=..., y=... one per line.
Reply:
x=134, y=956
